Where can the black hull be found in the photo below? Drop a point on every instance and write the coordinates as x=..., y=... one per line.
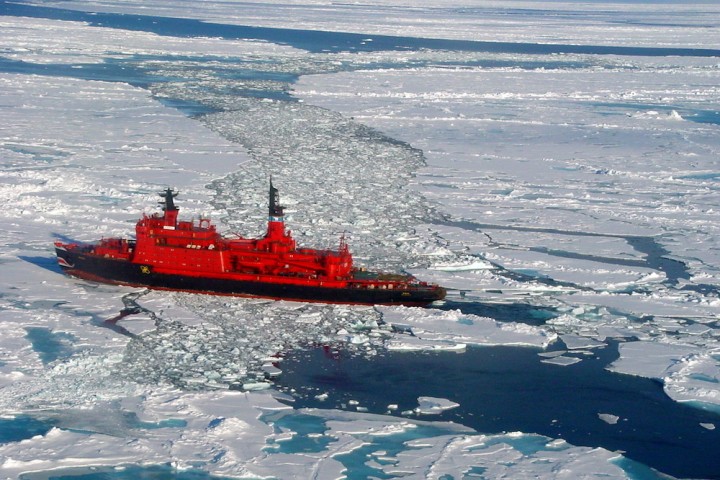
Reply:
x=120, y=272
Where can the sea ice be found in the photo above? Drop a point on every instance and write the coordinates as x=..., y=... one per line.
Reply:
x=562, y=360
x=434, y=406
x=608, y=418
x=577, y=342
x=445, y=328
x=575, y=182
x=463, y=20
x=650, y=359
x=584, y=173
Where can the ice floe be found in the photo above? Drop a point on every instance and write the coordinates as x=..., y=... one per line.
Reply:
x=581, y=184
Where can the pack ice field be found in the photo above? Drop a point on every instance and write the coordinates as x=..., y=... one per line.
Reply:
x=553, y=165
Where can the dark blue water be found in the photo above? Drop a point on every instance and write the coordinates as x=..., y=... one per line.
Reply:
x=322, y=41
x=131, y=472
x=110, y=71
x=507, y=389
x=21, y=427
x=128, y=71
x=696, y=115
x=704, y=116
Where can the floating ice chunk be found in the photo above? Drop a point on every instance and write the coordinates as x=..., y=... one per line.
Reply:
x=643, y=279
x=434, y=406
x=695, y=377
x=322, y=397
x=400, y=328
x=284, y=436
x=654, y=114
x=271, y=370
x=562, y=361
x=455, y=328
x=137, y=325
x=254, y=386
x=696, y=329
x=605, y=332
x=709, y=426
x=359, y=339
x=575, y=342
x=415, y=344
x=687, y=373
x=552, y=354
x=310, y=318
x=649, y=359
x=558, y=443
x=608, y=418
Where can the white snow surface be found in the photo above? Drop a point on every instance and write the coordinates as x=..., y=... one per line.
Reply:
x=534, y=159
x=693, y=23
x=58, y=42
x=544, y=180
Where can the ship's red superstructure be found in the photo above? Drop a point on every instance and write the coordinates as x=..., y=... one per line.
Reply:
x=175, y=254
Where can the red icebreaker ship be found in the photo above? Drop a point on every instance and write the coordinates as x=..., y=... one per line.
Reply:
x=172, y=254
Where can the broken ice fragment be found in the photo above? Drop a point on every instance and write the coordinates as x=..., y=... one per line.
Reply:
x=575, y=342
x=271, y=370
x=608, y=418
x=562, y=361
x=434, y=406
x=251, y=386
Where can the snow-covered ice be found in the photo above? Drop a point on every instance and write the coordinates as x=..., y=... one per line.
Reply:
x=578, y=183
x=432, y=405
x=627, y=193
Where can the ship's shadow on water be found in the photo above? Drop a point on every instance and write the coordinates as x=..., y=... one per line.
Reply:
x=509, y=389
x=48, y=263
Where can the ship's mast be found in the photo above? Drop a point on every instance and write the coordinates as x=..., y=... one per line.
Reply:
x=275, y=210
x=276, y=220
x=168, y=206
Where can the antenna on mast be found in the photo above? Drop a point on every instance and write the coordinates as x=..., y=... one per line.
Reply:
x=275, y=210
x=168, y=205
